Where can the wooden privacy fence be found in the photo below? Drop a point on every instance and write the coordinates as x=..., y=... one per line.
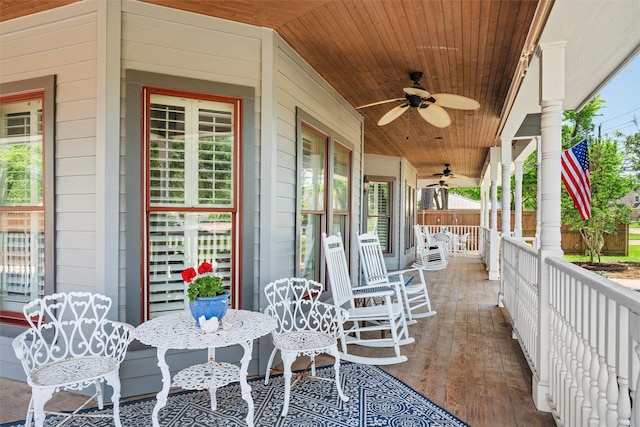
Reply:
x=572, y=242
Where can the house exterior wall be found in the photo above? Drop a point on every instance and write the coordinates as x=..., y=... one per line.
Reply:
x=64, y=43
x=75, y=44
x=300, y=91
x=402, y=173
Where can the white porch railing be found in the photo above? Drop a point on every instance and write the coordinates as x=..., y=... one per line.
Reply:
x=592, y=368
x=519, y=273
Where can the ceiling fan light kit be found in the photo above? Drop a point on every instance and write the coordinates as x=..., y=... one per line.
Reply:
x=430, y=106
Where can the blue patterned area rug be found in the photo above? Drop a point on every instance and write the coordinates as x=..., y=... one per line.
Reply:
x=375, y=399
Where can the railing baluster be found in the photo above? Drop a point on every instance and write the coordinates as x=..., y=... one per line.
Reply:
x=623, y=359
x=593, y=338
x=635, y=411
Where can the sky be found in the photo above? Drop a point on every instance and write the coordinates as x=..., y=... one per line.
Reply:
x=622, y=96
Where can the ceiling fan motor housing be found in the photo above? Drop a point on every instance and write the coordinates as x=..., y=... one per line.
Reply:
x=415, y=76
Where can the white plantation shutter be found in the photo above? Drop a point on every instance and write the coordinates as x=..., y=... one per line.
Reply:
x=379, y=212
x=191, y=195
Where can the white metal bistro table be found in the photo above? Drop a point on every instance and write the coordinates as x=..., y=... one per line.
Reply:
x=178, y=331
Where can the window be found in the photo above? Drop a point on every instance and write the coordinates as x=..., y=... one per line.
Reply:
x=312, y=202
x=379, y=211
x=192, y=141
x=325, y=185
x=410, y=215
x=22, y=194
x=340, y=190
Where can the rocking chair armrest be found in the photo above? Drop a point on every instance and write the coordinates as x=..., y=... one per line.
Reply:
x=399, y=278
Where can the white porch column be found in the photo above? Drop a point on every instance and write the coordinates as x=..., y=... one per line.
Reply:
x=484, y=215
x=505, y=159
x=538, y=189
x=484, y=221
x=551, y=97
x=495, y=239
x=517, y=220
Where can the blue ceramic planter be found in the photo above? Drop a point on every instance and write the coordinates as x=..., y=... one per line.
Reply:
x=209, y=307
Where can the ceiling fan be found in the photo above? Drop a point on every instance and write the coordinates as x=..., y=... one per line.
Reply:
x=441, y=184
x=429, y=105
x=448, y=173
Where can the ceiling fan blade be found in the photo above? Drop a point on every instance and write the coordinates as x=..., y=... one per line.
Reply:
x=432, y=185
x=458, y=102
x=393, y=114
x=435, y=115
x=381, y=102
x=416, y=91
x=458, y=176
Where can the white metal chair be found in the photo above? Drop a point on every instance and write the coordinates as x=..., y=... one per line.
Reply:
x=387, y=317
x=461, y=242
x=305, y=327
x=415, y=295
x=70, y=345
x=430, y=256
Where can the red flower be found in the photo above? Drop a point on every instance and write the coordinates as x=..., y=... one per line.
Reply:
x=189, y=274
x=205, y=267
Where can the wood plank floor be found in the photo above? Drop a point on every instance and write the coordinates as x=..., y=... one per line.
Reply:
x=463, y=358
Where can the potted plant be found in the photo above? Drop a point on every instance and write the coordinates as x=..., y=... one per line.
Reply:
x=206, y=295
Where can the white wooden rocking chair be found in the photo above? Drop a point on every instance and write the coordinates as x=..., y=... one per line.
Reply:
x=305, y=327
x=430, y=256
x=388, y=317
x=415, y=295
x=71, y=346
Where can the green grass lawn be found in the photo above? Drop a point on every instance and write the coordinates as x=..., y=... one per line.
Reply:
x=633, y=236
x=634, y=256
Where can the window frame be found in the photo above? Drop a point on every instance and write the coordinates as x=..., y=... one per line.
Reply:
x=152, y=208
x=135, y=308
x=333, y=139
x=44, y=88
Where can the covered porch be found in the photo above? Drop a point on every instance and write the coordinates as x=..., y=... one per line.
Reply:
x=463, y=359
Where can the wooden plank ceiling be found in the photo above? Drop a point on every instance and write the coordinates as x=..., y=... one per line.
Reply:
x=366, y=49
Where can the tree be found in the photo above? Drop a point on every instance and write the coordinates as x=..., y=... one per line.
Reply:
x=472, y=193
x=609, y=183
x=632, y=156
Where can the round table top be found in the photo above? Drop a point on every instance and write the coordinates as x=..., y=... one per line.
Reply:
x=179, y=331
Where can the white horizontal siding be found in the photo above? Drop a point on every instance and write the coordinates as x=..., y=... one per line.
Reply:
x=173, y=42
x=72, y=185
x=70, y=148
x=75, y=240
x=77, y=258
x=299, y=86
x=63, y=42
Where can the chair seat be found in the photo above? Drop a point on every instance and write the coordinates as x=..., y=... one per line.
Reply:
x=301, y=341
x=70, y=371
x=375, y=311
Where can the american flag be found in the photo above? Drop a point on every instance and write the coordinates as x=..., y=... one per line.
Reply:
x=575, y=175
